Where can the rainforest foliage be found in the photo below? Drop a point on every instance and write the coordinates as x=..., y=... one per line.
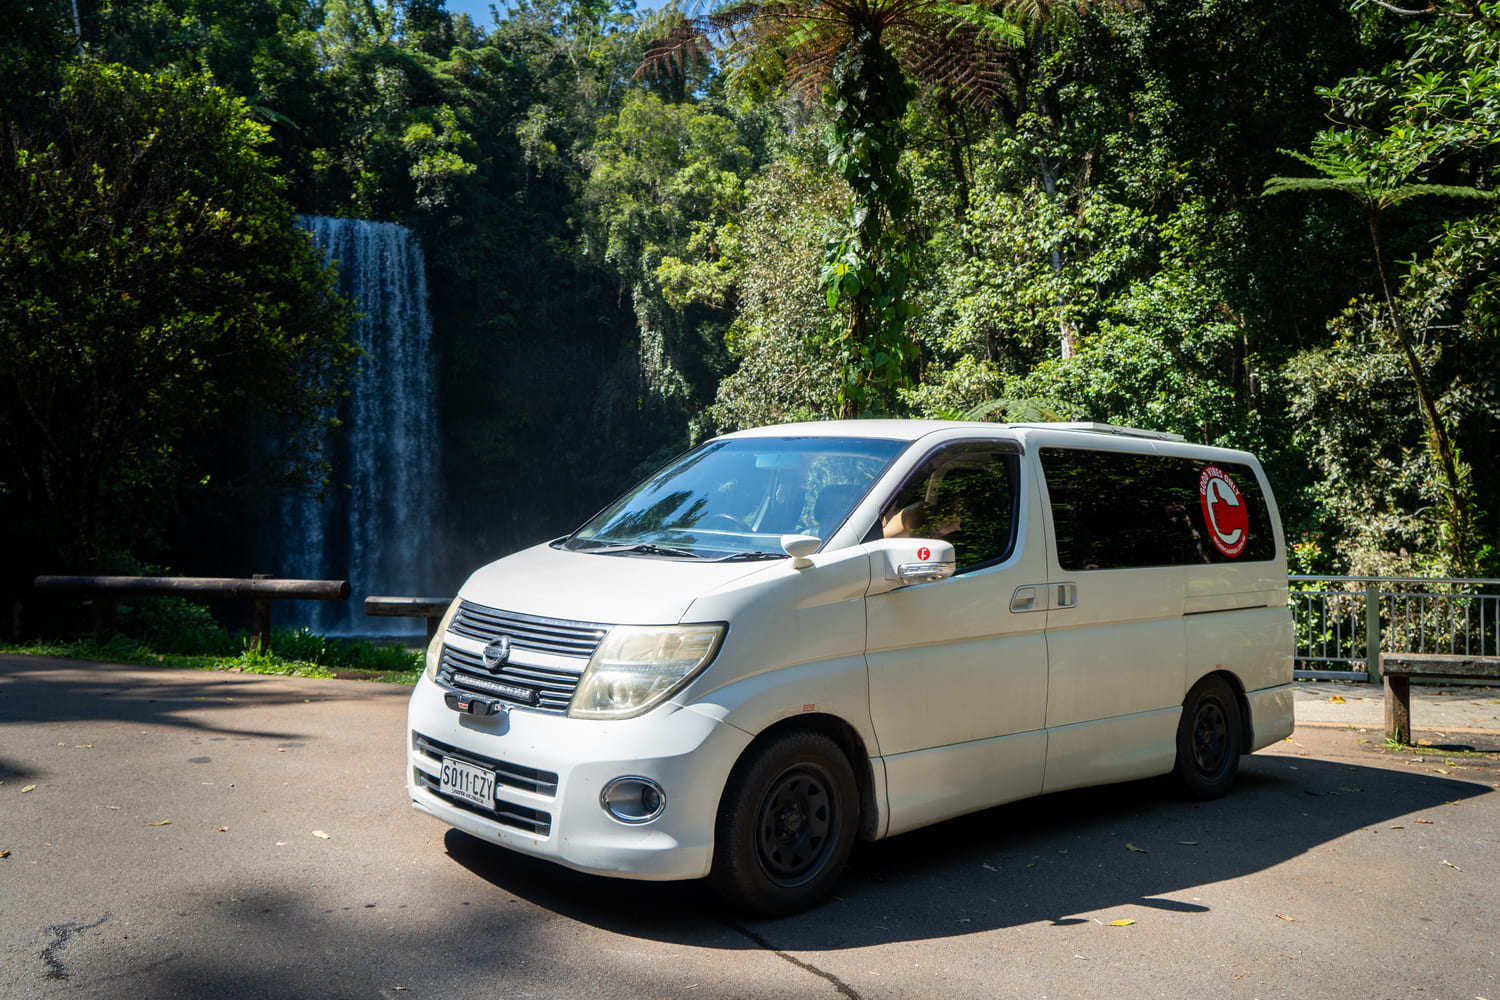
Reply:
x=1264, y=226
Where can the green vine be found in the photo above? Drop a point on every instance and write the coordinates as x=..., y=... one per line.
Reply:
x=867, y=271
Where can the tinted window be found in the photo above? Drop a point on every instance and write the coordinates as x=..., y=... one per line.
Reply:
x=965, y=495
x=1113, y=510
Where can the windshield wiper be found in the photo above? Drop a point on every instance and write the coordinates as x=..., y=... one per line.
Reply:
x=642, y=548
x=749, y=556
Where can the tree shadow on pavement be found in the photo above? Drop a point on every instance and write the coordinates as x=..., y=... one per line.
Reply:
x=1044, y=859
x=41, y=689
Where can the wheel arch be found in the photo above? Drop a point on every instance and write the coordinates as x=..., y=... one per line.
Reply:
x=847, y=739
x=1241, y=699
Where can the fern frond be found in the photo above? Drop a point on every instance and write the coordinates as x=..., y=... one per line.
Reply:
x=1014, y=411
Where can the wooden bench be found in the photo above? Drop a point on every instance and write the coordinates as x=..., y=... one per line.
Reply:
x=1400, y=668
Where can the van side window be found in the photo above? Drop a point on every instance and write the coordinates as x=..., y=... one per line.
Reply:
x=1117, y=510
x=964, y=494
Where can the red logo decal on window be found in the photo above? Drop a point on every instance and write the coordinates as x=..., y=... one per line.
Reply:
x=1224, y=511
x=924, y=554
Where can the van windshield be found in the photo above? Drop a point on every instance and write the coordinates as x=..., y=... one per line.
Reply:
x=735, y=498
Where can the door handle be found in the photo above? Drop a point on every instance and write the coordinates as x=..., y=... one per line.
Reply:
x=1029, y=597
x=1066, y=596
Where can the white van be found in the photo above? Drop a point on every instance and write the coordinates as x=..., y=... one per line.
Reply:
x=794, y=636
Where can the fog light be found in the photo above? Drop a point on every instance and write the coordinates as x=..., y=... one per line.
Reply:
x=633, y=800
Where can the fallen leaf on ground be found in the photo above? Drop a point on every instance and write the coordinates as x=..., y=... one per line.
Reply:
x=1119, y=923
x=1188, y=843
x=1283, y=916
x=321, y=835
x=83, y=746
x=4, y=853
x=1453, y=866
x=26, y=788
x=1138, y=850
x=1338, y=699
x=159, y=822
x=988, y=867
x=1423, y=821
x=223, y=829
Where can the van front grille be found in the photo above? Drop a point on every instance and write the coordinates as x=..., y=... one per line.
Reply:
x=545, y=689
x=545, y=635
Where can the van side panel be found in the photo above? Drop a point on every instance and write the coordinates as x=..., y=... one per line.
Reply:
x=1271, y=718
x=795, y=645
x=1253, y=644
x=1256, y=646
x=936, y=693
x=1119, y=649
x=951, y=661
x=1139, y=636
x=928, y=786
x=1122, y=748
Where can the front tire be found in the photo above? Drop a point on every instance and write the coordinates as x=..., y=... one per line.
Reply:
x=1209, y=739
x=786, y=825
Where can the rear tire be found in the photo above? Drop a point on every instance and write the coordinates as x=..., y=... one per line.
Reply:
x=1209, y=739
x=786, y=825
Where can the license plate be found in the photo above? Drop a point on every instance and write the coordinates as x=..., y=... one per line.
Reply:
x=464, y=780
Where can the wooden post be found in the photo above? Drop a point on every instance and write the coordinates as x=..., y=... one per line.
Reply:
x=260, y=619
x=104, y=618
x=1398, y=708
x=1372, y=632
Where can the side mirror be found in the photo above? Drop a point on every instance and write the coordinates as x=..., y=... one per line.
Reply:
x=799, y=547
x=904, y=562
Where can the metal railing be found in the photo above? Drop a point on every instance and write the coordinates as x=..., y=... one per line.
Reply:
x=1344, y=623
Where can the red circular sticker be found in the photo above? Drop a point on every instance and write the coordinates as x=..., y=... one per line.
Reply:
x=1224, y=511
x=924, y=554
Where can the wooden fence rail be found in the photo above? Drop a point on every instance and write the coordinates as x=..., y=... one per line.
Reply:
x=260, y=590
x=430, y=608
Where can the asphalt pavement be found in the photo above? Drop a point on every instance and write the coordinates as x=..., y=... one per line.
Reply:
x=177, y=834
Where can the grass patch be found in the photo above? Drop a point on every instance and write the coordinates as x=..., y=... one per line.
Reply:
x=293, y=653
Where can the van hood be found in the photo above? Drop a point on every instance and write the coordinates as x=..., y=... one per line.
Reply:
x=609, y=590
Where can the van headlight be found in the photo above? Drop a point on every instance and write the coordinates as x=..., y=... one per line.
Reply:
x=636, y=668
x=435, y=647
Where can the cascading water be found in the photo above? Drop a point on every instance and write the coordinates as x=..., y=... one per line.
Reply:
x=378, y=525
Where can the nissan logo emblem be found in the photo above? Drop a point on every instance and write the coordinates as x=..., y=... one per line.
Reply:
x=497, y=652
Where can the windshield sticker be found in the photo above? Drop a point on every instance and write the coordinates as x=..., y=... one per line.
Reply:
x=1224, y=511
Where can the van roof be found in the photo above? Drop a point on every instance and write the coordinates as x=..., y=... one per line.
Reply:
x=1098, y=428
x=911, y=430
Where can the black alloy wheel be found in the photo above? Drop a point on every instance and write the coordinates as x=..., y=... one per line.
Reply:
x=786, y=824
x=1209, y=739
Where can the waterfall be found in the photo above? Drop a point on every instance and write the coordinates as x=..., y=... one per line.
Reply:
x=378, y=525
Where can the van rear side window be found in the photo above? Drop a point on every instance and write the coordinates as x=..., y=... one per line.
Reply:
x=1119, y=510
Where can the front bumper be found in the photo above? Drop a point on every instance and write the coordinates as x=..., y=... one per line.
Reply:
x=550, y=771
